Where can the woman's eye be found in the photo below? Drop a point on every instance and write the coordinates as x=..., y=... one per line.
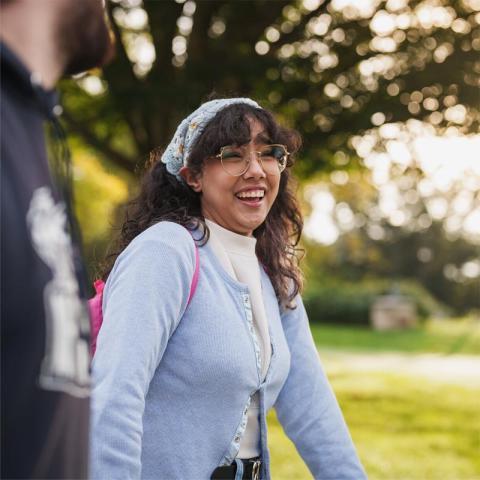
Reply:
x=231, y=155
x=268, y=152
x=271, y=152
x=277, y=152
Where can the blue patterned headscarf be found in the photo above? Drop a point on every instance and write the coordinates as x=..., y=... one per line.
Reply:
x=179, y=149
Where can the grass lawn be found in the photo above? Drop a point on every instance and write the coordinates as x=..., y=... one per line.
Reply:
x=404, y=427
x=439, y=336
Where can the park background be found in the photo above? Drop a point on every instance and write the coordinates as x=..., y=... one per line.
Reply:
x=386, y=97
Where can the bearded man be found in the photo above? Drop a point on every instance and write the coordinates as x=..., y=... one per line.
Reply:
x=45, y=327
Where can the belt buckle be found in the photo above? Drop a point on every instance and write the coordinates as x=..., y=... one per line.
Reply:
x=256, y=470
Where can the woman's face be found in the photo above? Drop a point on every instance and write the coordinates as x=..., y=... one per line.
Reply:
x=240, y=204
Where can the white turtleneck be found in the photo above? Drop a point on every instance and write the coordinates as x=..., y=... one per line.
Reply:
x=237, y=255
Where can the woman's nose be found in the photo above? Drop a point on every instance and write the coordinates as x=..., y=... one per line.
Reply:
x=255, y=168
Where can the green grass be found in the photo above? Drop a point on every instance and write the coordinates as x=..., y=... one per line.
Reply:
x=403, y=428
x=439, y=336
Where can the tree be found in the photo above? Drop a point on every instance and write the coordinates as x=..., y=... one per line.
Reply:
x=395, y=231
x=329, y=68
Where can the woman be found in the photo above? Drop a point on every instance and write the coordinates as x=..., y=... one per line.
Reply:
x=183, y=385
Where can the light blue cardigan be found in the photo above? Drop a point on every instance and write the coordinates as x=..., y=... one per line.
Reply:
x=172, y=384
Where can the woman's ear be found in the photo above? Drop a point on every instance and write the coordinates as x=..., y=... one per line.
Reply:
x=194, y=181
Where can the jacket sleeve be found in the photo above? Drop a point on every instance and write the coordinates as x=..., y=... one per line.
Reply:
x=144, y=300
x=308, y=410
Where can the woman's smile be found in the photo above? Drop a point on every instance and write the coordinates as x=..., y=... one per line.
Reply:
x=252, y=196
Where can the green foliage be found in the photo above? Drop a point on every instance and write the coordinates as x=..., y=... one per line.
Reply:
x=324, y=68
x=98, y=193
x=343, y=302
x=356, y=257
x=339, y=303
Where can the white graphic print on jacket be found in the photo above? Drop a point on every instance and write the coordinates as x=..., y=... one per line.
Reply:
x=65, y=366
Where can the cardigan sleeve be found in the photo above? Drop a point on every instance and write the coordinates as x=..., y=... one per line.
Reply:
x=144, y=300
x=308, y=410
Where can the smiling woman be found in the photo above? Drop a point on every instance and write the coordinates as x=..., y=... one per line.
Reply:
x=190, y=399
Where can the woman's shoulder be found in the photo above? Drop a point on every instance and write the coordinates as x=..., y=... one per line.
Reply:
x=164, y=240
x=165, y=233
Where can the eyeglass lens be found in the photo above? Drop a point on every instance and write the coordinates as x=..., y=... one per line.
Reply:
x=235, y=160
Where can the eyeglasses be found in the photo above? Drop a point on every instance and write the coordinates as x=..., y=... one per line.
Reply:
x=236, y=160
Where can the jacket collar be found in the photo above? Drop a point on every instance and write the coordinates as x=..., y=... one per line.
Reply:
x=26, y=83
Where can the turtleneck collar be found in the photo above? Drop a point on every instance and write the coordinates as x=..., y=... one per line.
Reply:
x=231, y=241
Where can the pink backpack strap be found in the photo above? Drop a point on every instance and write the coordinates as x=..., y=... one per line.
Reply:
x=193, y=286
x=95, y=303
x=96, y=316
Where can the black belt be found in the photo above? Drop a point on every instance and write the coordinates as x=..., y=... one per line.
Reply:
x=251, y=470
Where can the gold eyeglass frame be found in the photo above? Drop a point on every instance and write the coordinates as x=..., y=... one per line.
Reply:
x=281, y=167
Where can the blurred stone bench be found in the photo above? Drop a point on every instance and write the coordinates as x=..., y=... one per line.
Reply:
x=393, y=312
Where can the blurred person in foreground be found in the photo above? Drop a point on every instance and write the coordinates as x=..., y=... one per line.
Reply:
x=45, y=326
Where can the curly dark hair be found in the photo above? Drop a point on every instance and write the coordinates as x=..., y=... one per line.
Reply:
x=163, y=197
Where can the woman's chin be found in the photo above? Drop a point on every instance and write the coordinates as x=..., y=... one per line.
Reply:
x=251, y=224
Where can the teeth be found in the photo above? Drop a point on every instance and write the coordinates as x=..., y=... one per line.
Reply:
x=251, y=194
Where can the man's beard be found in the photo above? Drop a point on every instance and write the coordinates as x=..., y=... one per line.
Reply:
x=84, y=38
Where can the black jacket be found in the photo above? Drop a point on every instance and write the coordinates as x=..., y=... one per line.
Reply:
x=44, y=324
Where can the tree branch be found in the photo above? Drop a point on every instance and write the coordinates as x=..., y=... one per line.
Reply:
x=117, y=158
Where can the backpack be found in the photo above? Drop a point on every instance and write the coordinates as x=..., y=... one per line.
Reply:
x=95, y=304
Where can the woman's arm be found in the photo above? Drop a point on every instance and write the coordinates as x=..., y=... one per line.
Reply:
x=144, y=299
x=308, y=410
